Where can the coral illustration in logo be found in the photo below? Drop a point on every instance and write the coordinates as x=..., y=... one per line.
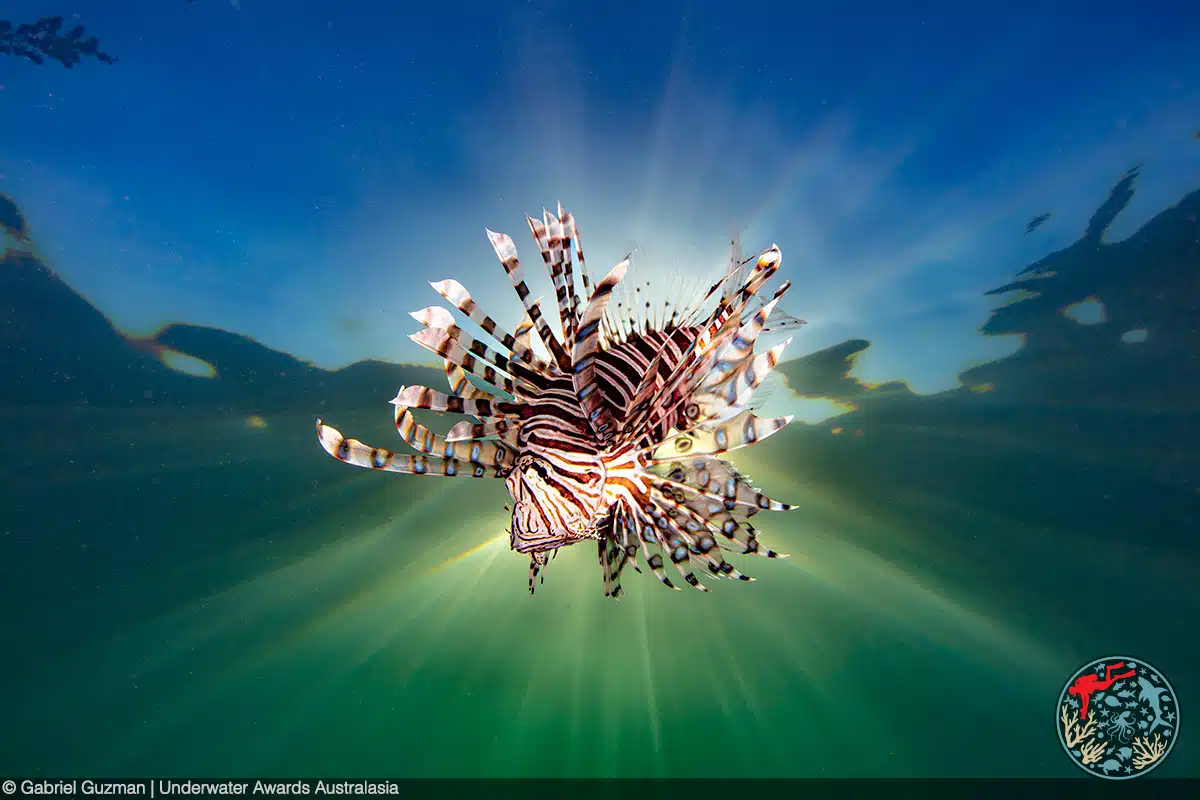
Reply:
x=1118, y=718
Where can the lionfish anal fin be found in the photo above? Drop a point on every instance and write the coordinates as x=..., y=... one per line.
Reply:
x=681, y=386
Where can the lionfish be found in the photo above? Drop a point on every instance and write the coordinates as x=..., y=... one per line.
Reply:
x=615, y=437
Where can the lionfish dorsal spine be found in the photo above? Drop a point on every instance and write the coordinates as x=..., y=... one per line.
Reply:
x=460, y=298
x=679, y=377
x=677, y=394
x=506, y=251
x=549, y=234
x=568, y=244
x=571, y=230
x=641, y=410
x=583, y=357
x=481, y=361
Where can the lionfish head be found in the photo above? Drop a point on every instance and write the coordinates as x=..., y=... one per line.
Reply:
x=549, y=509
x=617, y=434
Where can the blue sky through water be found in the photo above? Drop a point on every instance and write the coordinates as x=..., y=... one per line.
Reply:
x=298, y=171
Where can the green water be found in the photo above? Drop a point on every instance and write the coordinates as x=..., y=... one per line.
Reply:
x=251, y=607
x=193, y=589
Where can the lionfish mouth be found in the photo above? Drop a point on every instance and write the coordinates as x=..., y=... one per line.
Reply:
x=617, y=435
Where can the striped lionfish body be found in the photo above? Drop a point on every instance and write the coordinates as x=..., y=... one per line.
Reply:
x=616, y=437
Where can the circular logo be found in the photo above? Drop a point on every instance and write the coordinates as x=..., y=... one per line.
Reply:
x=1117, y=718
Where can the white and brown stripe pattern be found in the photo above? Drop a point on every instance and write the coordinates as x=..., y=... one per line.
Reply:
x=617, y=437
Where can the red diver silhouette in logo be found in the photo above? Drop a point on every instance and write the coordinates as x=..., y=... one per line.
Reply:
x=1085, y=685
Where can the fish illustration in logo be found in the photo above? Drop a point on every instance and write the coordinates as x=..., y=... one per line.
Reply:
x=1117, y=718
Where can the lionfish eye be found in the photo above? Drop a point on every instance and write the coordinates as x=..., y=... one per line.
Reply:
x=541, y=470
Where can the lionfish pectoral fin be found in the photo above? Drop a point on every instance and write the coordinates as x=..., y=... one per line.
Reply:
x=698, y=524
x=421, y=439
x=718, y=517
x=678, y=548
x=358, y=454
x=425, y=398
x=733, y=396
x=720, y=484
x=715, y=438
x=735, y=350
x=784, y=322
x=640, y=531
x=460, y=386
x=730, y=396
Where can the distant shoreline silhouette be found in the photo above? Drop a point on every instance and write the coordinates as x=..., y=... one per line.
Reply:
x=67, y=352
x=1144, y=286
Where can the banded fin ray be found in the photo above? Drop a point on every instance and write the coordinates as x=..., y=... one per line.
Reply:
x=426, y=441
x=549, y=235
x=506, y=251
x=721, y=323
x=457, y=295
x=354, y=452
x=441, y=343
x=433, y=400
x=583, y=357
x=503, y=429
x=569, y=234
x=445, y=339
x=721, y=437
x=460, y=386
x=618, y=435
